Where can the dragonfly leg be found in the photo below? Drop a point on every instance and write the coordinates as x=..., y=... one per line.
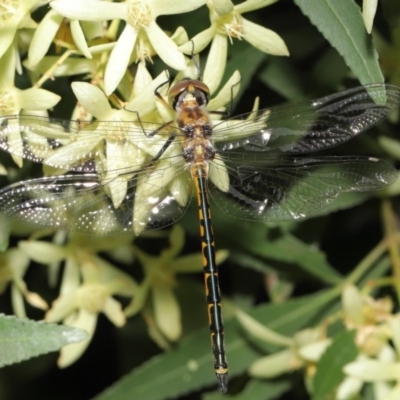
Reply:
x=228, y=112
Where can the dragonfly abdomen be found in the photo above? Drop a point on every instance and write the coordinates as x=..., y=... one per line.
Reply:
x=211, y=279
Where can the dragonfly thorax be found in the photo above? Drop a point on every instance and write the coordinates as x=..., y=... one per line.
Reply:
x=191, y=97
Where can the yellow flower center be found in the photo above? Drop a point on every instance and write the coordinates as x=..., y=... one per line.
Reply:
x=93, y=298
x=144, y=50
x=139, y=14
x=7, y=103
x=8, y=9
x=232, y=26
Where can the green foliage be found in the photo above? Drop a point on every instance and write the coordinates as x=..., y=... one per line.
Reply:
x=287, y=277
x=22, y=339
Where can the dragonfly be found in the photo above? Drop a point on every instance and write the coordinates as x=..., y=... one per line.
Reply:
x=109, y=177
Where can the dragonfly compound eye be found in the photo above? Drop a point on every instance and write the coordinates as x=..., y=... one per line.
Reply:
x=189, y=89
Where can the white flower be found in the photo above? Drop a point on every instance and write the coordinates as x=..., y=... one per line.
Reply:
x=368, y=317
x=303, y=350
x=13, y=266
x=51, y=26
x=227, y=23
x=88, y=284
x=14, y=15
x=13, y=100
x=383, y=370
x=159, y=283
x=140, y=17
x=369, y=11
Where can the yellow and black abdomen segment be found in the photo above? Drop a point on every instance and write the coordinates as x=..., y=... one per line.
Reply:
x=213, y=296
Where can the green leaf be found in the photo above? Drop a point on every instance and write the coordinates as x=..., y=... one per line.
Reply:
x=21, y=339
x=287, y=318
x=254, y=238
x=256, y=390
x=329, y=370
x=280, y=75
x=308, y=257
x=342, y=25
x=189, y=367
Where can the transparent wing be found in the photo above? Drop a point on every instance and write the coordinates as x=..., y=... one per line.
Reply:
x=85, y=203
x=81, y=146
x=291, y=188
x=310, y=125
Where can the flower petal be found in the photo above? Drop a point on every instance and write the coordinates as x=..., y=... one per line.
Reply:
x=61, y=308
x=167, y=312
x=36, y=300
x=218, y=174
x=198, y=43
x=36, y=99
x=259, y=331
x=264, y=39
x=227, y=93
x=373, y=371
x=151, y=190
x=251, y=5
x=71, y=278
x=145, y=102
x=42, y=252
x=273, y=365
x=119, y=59
x=79, y=38
x=353, y=306
x=90, y=10
x=162, y=7
x=180, y=36
x=313, y=351
x=18, y=302
x=74, y=151
x=349, y=388
x=69, y=354
x=92, y=99
x=223, y=7
x=7, y=69
x=113, y=310
x=216, y=62
x=142, y=79
x=368, y=12
x=165, y=47
x=393, y=394
x=43, y=37
x=7, y=37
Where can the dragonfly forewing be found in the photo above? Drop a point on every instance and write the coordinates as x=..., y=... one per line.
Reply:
x=311, y=125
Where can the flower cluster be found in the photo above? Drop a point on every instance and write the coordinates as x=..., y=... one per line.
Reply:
x=377, y=339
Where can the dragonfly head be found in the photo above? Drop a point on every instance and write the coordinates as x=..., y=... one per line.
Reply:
x=189, y=91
